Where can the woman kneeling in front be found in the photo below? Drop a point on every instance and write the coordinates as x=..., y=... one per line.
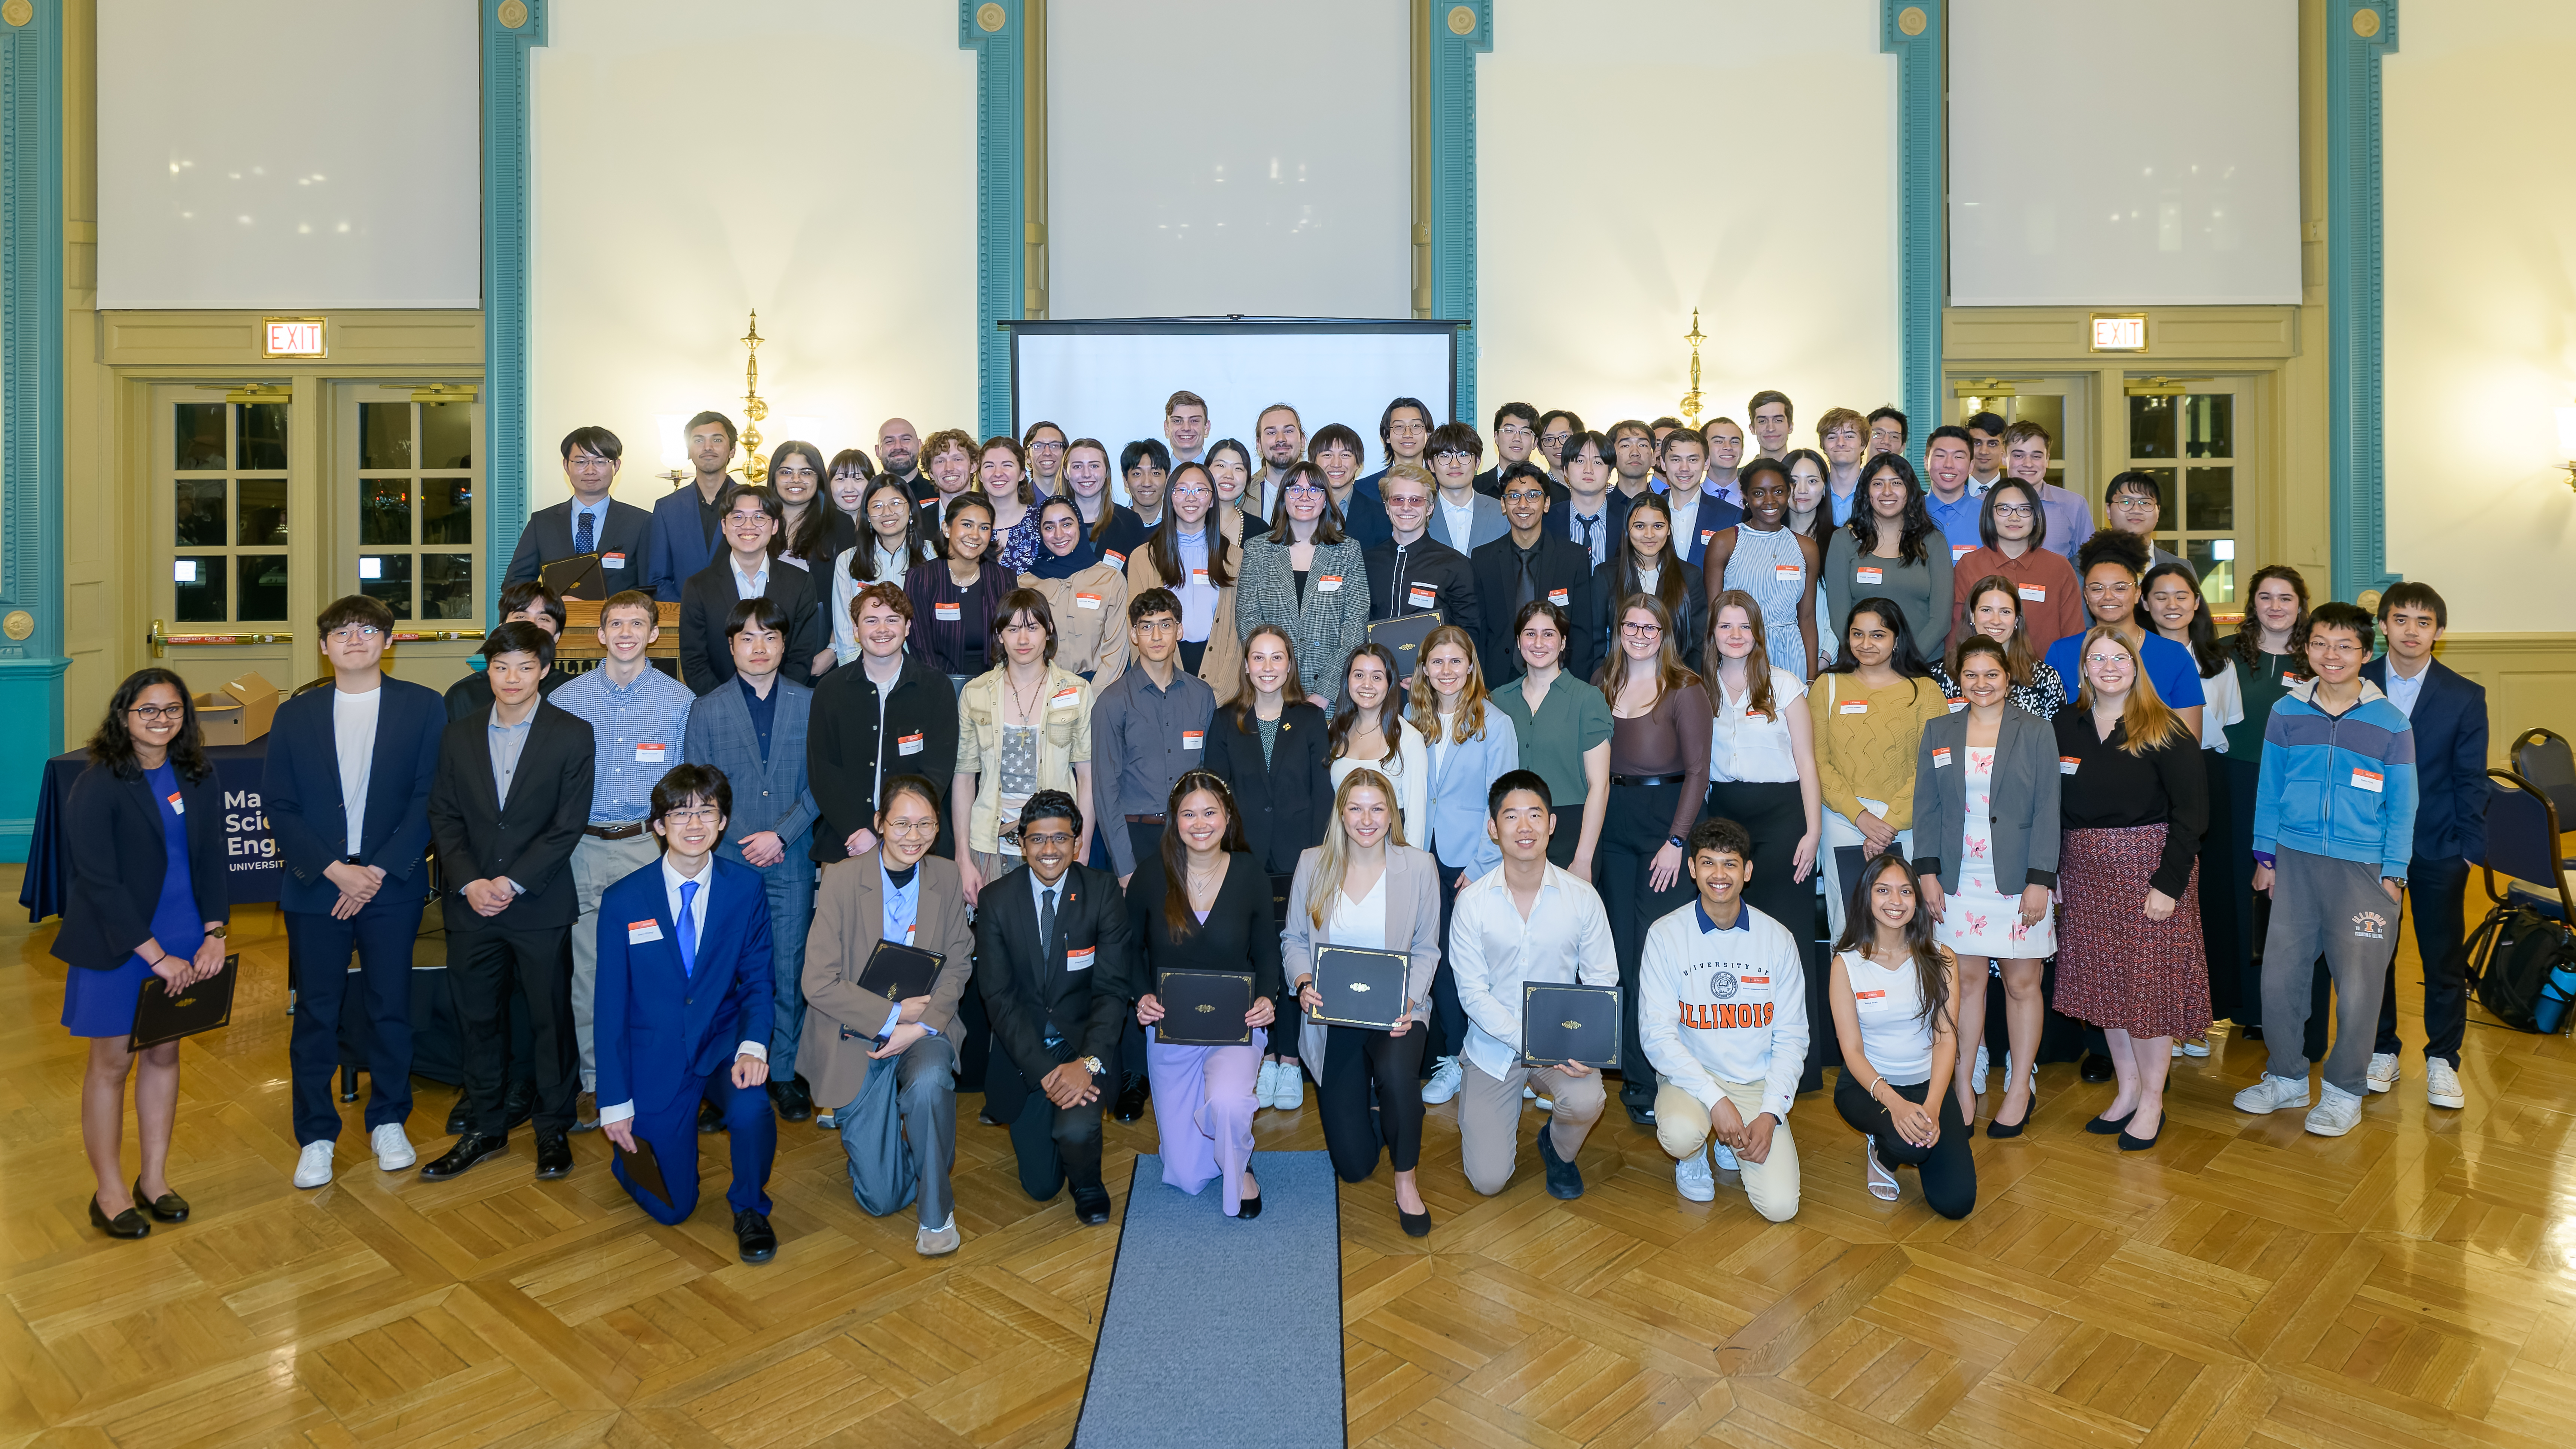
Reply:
x=1892, y=993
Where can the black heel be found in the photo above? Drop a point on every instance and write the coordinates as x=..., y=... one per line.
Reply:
x=2110, y=1126
x=1996, y=1128
x=1416, y=1225
x=1246, y=1209
x=127, y=1224
x=169, y=1207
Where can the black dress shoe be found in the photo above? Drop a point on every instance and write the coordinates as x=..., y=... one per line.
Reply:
x=554, y=1155
x=458, y=1119
x=470, y=1149
x=795, y=1100
x=2249, y=1033
x=1564, y=1179
x=2107, y=1126
x=2140, y=1144
x=127, y=1224
x=169, y=1207
x=709, y=1119
x=751, y=1231
x=1246, y=1209
x=986, y=1117
x=2095, y=1068
x=585, y=1112
x=520, y=1104
x=1642, y=1116
x=1091, y=1205
x=1416, y=1225
x=1997, y=1127
x=1131, y=1098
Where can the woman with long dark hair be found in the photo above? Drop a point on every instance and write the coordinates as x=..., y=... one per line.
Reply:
x=1869, y=709
x=1369, y=729
x=1894, y=990
x=957, y=598
x=847, y=486
x=1087, y=592
x=889, y=547
x=1302, y=575
x=1994, y=611
x=1205, y=907
x=2016, y=534
x=145, y=828
x=1230, y=469
x=2271, y=649
x=1891, y=549
x=1192, y=557
x=814, y=533
x=1643, y=560
x=1002, y=472
x=2170, y=599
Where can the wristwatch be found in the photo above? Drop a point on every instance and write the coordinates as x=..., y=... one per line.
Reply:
x=1092, y=1065
x=217, y=932
x=1674, y=841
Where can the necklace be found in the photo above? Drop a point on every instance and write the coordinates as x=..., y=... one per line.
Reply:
x=1204, y=883
x=1028, y=707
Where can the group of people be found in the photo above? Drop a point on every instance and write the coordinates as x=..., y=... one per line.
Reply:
x=1652, y=683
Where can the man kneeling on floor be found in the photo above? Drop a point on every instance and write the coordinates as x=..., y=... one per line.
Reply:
x=684, y=1012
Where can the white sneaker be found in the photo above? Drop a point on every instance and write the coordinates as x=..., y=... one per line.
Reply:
x=1882, y=1183
x=2383, y=1072
x=2442, y=1084
x=2336, y=1112
x=393, y=1149
x=2177, y=1048
x=2272, y=1094
x=1725, y=1157
x=2197, y=1046
x=1291, y=1091
x=1265, y=1090
x=937, y=1242
x=1977, y=1079
x=1693, y=1180
x=1446, y=1078
x=313, y=1165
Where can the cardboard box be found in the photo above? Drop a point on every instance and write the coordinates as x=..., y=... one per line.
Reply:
x=238, y=713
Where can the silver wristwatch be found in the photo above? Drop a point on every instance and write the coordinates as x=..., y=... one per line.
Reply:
x=1093, y=1066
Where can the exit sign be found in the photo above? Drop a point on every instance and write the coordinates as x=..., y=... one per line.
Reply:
x=2120, y=332
x=291, y=337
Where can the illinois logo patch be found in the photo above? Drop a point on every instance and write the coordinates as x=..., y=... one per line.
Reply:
x=2369, y=926
x=1721, y=984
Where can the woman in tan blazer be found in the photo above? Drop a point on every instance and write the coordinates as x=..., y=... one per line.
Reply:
x=1195, y=560
x=898, y=1126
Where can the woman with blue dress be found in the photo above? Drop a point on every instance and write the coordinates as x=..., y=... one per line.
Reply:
x=145, y=826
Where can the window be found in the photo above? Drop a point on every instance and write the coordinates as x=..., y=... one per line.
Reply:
x=411, y=460
x=2187, y=440
x=227, y=524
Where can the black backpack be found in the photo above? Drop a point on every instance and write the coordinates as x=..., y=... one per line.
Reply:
x=2521, y=965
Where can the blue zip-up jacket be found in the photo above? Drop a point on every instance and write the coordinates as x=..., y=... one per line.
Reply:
x=2341, y=786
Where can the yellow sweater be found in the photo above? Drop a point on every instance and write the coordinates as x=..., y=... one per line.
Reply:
x=1866, y=739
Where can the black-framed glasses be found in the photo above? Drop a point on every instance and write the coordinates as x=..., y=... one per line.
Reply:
x=158, y=713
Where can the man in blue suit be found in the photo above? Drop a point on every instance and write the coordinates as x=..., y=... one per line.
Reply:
x=682, y=537
x=683, y=1011
x=347, y=797
x=752, y=729
x=2449, y=716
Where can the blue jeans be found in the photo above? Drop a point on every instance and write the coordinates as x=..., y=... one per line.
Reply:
x=790, y=884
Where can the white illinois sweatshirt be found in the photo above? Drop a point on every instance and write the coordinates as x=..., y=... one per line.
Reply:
x=1724, y=1005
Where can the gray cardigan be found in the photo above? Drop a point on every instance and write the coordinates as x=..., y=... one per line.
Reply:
x=1327, y=626
x=2022, y=800
x=1922, y=590
x=1412, y=926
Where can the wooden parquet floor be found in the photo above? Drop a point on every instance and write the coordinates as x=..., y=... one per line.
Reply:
x=2243, y=1284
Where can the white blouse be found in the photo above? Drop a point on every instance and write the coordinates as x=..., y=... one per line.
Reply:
x=1359, y=922
x=1746, y=748
x=2222, y=704
x=1410, y=770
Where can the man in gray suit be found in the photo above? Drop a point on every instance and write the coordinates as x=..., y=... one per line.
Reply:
x=1461, y=517
x=752, y=727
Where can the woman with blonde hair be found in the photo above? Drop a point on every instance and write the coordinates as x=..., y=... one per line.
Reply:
x=2133, y=797
x=1087, y=592
x=1112, y=526
x=1363, y=888
x=1469, y=743
x=1762, y=775
x=1190, y=555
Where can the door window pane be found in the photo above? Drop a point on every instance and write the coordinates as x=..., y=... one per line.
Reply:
x=198, y=588
x=384, y=435
x=2209, y=426
x=263, y=437
x=197, y=517
x=447, y=510
x=199, y=433
x=386, y=577
x=447, y=585
x=2211, y=498
x=2151, y=427
x=2214, y=559
x=384, y=511
x=263, y=585
x=262, y=505
x=447, y=435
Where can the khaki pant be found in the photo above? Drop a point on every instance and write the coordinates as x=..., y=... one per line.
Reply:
x=1681, y=1125
x=596, y=865
x=1489, y=1118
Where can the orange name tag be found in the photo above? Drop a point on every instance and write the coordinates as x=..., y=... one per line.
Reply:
x=1941, y=758
x=1416, y=596
x=1086, y=601
x=908, y=745
x=1328, y=583
x=2066, y=764
x=1198, y=578
x=1868, y=576
x=177, y=805
x=639, y=933
x=1558, y=598
x=1066, y=698
x=1755, y=980
x=1854, y=706
x=1786, y=573
x=1114, y=556
x=950, y=612
x=2370, y=780
x=1193, y=739
x=1959, y=551
x=2036, y=593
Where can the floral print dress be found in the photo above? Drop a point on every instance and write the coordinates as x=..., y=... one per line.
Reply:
x=1980, y=920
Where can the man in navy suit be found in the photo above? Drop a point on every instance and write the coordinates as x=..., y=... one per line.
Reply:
x=683, y=536
x=347, y=795
x=683, y=1012
x=2449, y=715
x=589, y=521
x=752, y=730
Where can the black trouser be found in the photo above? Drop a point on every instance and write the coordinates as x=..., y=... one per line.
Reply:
x=483, y=965
x=1354, y=1057
x=2225, y=878
x=1774, y=813
x=1284, y=1029
x=2433, y=897
x=1147, y=843
x=2253, y=911
x=1949, y=1168
x=1447, y=1029
x=1560, y=846
x=1639, y=821
x=1058, y=1145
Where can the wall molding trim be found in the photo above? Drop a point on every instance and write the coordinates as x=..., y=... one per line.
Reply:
x=996, y=31
x=2357, y=36
x=1914, y=32
x=31, y=392
x=1454, y=33
x=510, y=29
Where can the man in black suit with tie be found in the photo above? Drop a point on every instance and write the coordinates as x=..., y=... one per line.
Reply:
x=1530, y=562
x=1051, y=942
x=588, y=522
x=512, y=796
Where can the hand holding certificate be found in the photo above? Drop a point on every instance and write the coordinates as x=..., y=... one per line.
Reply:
x=1359, y=987
x=1567, y=1025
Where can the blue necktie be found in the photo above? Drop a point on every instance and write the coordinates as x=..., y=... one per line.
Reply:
x=688, y=937
x=581, y=537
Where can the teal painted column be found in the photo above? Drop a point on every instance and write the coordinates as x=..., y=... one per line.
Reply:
x=31, y=408
x=1460, y=32
x=992, y=30
x=2357, y=35
x=510, y=28
x=1911, y=30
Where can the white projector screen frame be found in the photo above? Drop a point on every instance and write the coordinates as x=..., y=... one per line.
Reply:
x=2129, y=156
x=1109, y=379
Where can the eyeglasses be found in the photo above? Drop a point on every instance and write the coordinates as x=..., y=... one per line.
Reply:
x=701, y=815
x=1641, y=631
x=158, y=713
x=910, y=829
x=2013, y=510
x=1046, y=447
x=1052, y=837
x=352, y=633
x=1305, y=490
x=2106, y=659
x=1453, y=453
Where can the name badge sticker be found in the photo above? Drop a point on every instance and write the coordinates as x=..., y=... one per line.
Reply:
x=640, y=933
x=1198, y=578
x=908, y=745
x=1755, y=980
x=1114, y=556
x=2035, y=593
x=1079, y=960
x=652, y=754
x=1193, y=739
x=1086, y=601
x=1787, y=573
x=1959, y=551
x=952, y=613
x=1065, y=698
x=1419, y=597
x=2370, y=780
x=612, y=560
x=177, y=805
x=1870, y=1001
x=1853, y=706
x=2066, y=764
x=1868, y=576
x=1558, y=598
x=1941, y=757
x=1328, y=583
x=1705, y=535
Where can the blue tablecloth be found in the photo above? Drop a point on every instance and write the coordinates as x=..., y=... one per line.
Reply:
x=252, y=862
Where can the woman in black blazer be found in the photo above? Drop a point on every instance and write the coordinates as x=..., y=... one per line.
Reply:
x=145, y=825
x=1986, y=835
x=1207, y=909
x=1270, y=746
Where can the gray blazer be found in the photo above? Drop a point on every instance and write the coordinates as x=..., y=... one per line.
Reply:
x=770, y=794
x=1489, y=524
x=1327, y=626
x=2022, y=800
x=1412, y=917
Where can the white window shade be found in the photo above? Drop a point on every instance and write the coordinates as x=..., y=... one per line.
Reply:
x=2143, y=155
x=288, y=153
